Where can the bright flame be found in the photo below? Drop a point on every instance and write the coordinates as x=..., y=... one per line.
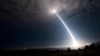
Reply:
x=54, y=11
x=75, y=44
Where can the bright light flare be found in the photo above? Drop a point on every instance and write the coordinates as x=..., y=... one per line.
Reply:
x=54, y=11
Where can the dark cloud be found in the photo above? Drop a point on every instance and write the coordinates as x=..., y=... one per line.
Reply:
x=37, y=8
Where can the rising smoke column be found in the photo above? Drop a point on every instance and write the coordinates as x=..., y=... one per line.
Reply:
x=75, y=44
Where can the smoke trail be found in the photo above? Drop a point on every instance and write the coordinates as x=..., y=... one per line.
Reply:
x=75, y=44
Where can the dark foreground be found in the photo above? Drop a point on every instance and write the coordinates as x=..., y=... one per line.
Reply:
x=92, y=50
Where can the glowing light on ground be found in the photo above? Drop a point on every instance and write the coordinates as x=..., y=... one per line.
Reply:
x=75, y=43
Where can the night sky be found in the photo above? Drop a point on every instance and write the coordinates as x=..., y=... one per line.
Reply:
x=29, y=23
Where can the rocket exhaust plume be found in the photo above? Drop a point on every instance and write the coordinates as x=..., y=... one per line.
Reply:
x=75, y=44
